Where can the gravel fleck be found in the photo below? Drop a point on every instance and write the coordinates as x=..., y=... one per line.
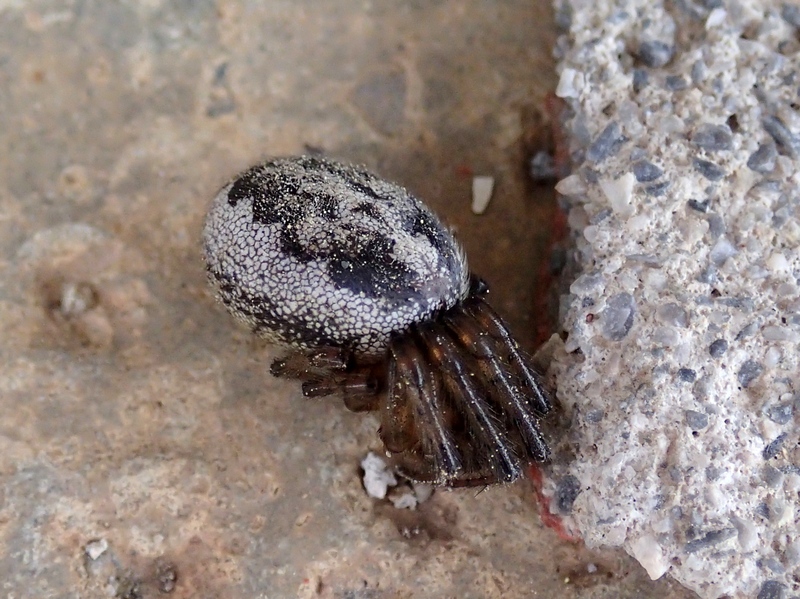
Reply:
x=783, y=137
x=655, y=53
x=718, y=348
x=618, y=316
x=772, y=589
x=749, y=372
x=774, y=447
x=791, y=14
x=687, y=375
x=567, y=491
x=780, y=413
x=676, y=83
x=711, y=171
x=713, y=138
x=640, y=79
x=645, y=171
x=657, y=189
x=715, y=537
x=696, y=420
x=606, y=144
x=763, y=159
x=698, y=206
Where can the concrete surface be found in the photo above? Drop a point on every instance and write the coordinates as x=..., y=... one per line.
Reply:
x=681, y=373
x=144, y=448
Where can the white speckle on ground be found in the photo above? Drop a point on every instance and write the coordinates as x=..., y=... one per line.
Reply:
x=482, y=188
x=377, y=476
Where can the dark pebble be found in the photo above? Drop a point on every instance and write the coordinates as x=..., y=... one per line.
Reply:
x=780, y=413
x=698, y=206
x=606, y=144
x=709, y=275
x=618, y=316
x=772, y=589
x=657, y=189
x=716, y=225
x=713, y=138
x=696, y=420
x=542, y=166
x=749, y=372
x=780, y=133
x=676, y=83
x=791, y=14
x=718, y=348
x=687, y=375
x=645, y=171
x=715, y=537
x=773, y=448
x=594, y=416
x=711, y=171
x=567, y=491
x=763, y=159
x=699, y=71
x=640, y=79
x=655, y=54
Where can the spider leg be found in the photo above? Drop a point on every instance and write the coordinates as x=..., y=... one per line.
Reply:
x=397, y=422
x=479, y=414
x=490, y=321
x=518, y=406
x=424, y=394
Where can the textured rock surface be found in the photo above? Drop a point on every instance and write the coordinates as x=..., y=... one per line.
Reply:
x=144, y=448
x=680, y=373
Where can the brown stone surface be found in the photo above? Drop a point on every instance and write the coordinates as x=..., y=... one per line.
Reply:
x=145, y=451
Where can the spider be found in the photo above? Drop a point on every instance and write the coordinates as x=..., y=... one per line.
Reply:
x=373, y=296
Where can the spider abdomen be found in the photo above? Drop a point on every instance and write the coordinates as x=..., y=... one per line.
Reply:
x=313, y=253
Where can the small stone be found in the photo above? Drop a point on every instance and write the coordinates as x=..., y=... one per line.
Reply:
x=672, y=314
x=715, y=537
x=791, y=14
x=786, y=141
x=618, y=315
x=542, y=166
x=94, y=549
x=619, y=193
x=772, y=589
x=655, y=53
x=713, y=138
x=696, y=420
x=640, y=79
x=687, y=375
x=780, y=413
x=606, y=144
x=749, y=372
x=645, y=171
x=721, y=251
x=699, y=71
x=482, y=188
x=567, y=491
x=657, y=189
x=377, y=476
x=711, y=171
x=763, y=159
x=718, y=348
x=698, y=206
x=676, y=83
x=774, y=447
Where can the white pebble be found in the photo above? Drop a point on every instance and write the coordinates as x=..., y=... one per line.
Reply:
x=482, y=188
x=570, y=84
x=649, y=553
x=95, y=549
x=619, y=193
x=377, y=476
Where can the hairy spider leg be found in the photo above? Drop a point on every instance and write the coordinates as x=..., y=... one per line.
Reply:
x=491, y=322
x=479, y=413
x=424, y=394
x=327, y=371
x=517, y=405
x=397, y=422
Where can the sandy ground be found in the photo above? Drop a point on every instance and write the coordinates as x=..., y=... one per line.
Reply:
x=144, y=448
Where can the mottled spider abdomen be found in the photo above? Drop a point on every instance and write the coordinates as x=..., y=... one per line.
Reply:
x=313, y=253
x=374, y=298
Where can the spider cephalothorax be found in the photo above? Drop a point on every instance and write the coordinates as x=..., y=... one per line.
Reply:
x=373, y=296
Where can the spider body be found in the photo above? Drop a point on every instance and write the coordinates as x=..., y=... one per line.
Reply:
x=374, y=299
